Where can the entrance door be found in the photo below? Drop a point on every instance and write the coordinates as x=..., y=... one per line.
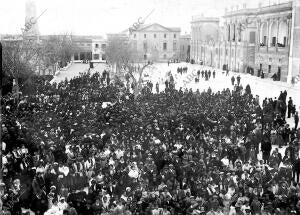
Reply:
x=279, y=73
x=82, y=57
x=89, y=56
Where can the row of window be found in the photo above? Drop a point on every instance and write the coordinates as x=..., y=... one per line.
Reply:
x=145, y=45
x=82, y=44
x=269, y=68
x=103, y=46
x=145, y=56
x=154, y=35
x=273, y=42
x=88, y=56
x=217, y=51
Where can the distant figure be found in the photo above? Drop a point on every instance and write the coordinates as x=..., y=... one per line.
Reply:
x=157, y=87
x=202, y=73
x=259, y=73
x=290, y=107
x=293, y=111
x=214, y=74
x=278, y=75
x=227, y=72
x=206, y=76
x=274, y=77
x=238, y=79
x=232, y=80
x=108, y=79
x=167, y=84
x=266, y=148
x=296, y=119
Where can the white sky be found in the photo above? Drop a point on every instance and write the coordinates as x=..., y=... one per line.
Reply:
x=98, y=17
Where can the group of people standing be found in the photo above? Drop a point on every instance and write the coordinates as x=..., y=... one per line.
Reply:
x=89, y=146
x=205, y=74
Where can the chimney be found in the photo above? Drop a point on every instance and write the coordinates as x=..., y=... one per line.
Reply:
x=260, y=4
x=226, y=10
x=244, y=5
x=237, y=7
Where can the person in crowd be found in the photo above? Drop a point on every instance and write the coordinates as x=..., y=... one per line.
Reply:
x=238, y=79
x=232, y=80
x=296, y=120
x=157, y=87
x=290, y=107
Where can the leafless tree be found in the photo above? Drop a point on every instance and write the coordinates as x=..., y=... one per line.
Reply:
x=125, y=59
x=20, y=57
x=56, y=49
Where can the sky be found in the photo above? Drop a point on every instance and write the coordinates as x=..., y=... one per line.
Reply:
x=99, y=17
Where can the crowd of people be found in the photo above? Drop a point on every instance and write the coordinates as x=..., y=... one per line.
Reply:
x=85, y=147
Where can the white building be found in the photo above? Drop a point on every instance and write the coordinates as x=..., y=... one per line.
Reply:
x=156, y=42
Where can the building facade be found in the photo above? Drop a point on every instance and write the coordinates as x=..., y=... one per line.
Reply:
x=185, y=47
x=263, y=36
x=257, y=40
x=205, y=31
x=90, y=48
x=155, y=42
x=294, y=55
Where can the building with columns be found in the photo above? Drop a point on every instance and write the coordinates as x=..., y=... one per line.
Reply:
x=205, y=31
x=294, y=54
x=185, y=47
x=274, y=39
x=255, y=40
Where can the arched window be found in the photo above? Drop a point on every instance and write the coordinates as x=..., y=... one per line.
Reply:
x=273, y=34
x=239, y=33
x=228, y=32
x=282, y=34
x=263, y=34
x=233, y=33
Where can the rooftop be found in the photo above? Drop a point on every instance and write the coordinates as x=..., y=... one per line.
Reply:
x=201, y=18
x=187, y=36
x=276, y=8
